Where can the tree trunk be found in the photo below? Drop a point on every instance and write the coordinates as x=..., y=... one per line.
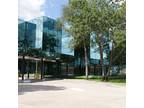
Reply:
x=67, y=70
x=59, y=70
x=42, y=68
x=110, y=65
x=101, y=56
x=94, y=69
x=28, y=74
x=28, y=69
x=23, y=67
x=86, y=61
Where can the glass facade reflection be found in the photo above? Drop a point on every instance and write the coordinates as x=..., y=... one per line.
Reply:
x=66, y=44
x=27, y=31
x=48, y=37
x=44, y=34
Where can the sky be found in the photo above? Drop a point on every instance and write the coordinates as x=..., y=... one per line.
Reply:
x=29, y=9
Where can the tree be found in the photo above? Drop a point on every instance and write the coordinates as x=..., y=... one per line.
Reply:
x=118, y=34
x=104, y=18
x=75, y=14
x=100, y=21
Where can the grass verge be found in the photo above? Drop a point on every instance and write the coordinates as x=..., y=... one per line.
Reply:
x=118, y=80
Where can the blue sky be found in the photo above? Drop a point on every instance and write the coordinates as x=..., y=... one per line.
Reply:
x=29, y=9
x=53, y=8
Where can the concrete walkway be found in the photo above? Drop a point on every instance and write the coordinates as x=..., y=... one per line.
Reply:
x=71, y=94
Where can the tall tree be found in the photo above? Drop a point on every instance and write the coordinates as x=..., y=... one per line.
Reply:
x=118, y=33
x=100, y=21
x=75, y=14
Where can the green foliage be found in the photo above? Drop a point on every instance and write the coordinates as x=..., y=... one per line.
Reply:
x=59, y=24
x=97, y=17
x=118, y=35
x=113, y=79
x=101, y=16
x=75, y=15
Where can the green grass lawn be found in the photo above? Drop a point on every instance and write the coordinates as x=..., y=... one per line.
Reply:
x=118, y=80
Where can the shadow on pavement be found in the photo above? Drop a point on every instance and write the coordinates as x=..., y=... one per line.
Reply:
x=32, y=88
x=38, y=80
x=45, y=79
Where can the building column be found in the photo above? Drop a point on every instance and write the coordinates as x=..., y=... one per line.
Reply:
x=36, y=69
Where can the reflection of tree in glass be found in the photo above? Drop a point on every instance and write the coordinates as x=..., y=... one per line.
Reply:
x=49, y=43
x=24, y=49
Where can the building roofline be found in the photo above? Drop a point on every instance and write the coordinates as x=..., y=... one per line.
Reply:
x=42, y=17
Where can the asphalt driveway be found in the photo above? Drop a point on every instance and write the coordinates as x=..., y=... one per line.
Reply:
x=69, y=93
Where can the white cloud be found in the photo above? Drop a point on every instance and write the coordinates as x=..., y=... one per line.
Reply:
x=29, y=9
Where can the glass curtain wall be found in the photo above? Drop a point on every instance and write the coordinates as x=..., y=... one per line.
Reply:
x=51, y=37
x=39, y=31
x=48, y=38
x=27, y=31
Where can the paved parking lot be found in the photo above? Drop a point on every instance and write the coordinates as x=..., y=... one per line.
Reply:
x=69, y=93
